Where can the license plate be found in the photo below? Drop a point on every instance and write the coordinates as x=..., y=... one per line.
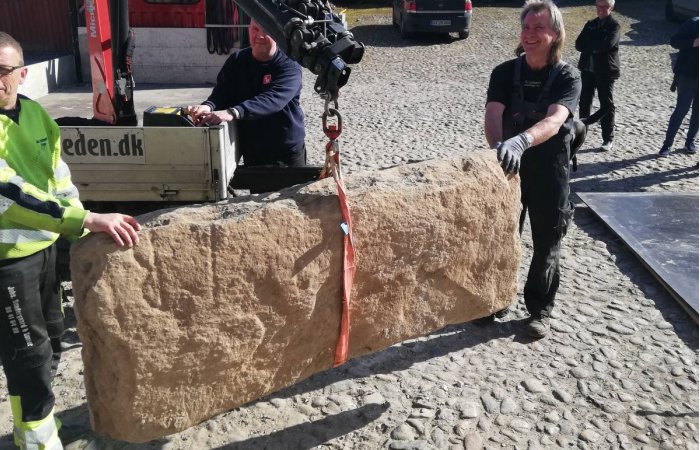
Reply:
x=440, y=23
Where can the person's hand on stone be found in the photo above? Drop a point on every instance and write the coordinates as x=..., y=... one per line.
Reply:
x=511, y=151
x=120, y=227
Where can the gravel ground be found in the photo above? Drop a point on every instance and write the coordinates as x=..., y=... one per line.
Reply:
x=619, y=370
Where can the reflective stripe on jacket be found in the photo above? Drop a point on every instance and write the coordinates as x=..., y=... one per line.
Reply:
x=35, y=435
x=38, y=200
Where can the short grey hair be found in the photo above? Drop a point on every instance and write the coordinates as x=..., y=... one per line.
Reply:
x=8, y=41
x=610, y=2
x=537, y=6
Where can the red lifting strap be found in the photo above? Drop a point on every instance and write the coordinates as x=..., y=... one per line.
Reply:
x=332, y=167
x=341, y=349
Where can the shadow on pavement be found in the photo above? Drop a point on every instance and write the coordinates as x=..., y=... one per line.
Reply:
x=603, y=167
x=642, y=412
x=312, y=434
x=303, y=436
x=75, y=424
x=629, y=265
x=403, y=356
x=583, y=151
x=649, y=32
x=636, y=183
x=651, y=27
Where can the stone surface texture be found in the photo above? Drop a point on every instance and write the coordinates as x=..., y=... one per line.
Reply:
x=412, y=99
x=221, y=304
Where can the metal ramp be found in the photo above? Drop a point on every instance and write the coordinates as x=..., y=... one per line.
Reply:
x=662, y=230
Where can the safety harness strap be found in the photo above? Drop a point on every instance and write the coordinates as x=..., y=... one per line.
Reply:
x=523, y=109
x=544, y=94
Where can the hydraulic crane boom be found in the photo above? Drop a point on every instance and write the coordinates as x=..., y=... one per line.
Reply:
x=110, y=45
x=306, y=30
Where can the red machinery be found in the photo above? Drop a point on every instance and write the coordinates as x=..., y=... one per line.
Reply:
x=110, y=46
x=306, y=30
x=186, y=14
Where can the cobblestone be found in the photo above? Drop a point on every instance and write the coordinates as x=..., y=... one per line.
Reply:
x=620, y=368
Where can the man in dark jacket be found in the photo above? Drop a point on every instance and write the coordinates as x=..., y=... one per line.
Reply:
x=259, y=87
x=686, y=77
x=598, y=43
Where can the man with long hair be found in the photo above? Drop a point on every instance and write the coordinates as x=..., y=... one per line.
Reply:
x=529, y=122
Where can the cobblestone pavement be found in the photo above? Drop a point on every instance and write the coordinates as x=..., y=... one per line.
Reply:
x=620, y=368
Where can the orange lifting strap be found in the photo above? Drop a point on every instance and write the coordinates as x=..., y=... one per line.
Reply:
x=332, y=167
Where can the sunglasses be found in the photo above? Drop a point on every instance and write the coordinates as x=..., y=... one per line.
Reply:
x=6, y=70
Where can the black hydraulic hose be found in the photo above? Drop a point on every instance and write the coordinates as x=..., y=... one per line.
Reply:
x=228, y=20
x=243, y=19
x=221, y=40
x=75, y=40
x=236, y=30
x=123, y=42
x=209, y=14
x=219, y=33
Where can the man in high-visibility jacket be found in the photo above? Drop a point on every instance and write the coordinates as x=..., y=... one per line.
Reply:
x=38, y=202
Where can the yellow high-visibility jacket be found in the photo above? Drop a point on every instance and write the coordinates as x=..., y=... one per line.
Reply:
x=38, y=200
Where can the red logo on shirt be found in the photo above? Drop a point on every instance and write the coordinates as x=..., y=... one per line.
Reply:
x=267, y=78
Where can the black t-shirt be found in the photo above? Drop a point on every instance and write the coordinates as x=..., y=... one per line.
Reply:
x=565, y=91
x=13, y=113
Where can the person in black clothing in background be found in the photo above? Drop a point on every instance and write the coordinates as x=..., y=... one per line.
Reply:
x=686, y=78
x=259, y=87
x=533, y=135
x=599, y=64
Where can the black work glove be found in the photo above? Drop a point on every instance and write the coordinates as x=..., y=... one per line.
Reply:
x=510, y=152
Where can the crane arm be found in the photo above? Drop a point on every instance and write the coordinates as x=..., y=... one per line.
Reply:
x=310, y=34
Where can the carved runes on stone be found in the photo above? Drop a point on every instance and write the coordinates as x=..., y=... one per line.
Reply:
x=223, y=303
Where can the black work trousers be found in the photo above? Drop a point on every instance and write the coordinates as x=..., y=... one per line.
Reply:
x=31, y=327
x=259, y=157
x=544, y=185
x=590, y=83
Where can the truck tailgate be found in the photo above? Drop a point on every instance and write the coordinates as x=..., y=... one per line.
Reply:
x=150, y=163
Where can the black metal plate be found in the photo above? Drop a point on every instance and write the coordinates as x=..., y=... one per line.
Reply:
x=662, y=230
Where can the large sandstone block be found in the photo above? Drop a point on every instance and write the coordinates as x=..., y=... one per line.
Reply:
x=221, y=304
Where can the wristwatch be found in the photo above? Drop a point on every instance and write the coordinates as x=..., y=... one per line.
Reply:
x=234, y=112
